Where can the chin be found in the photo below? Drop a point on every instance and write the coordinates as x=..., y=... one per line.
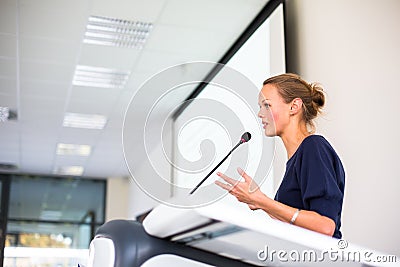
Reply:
x=270, y=133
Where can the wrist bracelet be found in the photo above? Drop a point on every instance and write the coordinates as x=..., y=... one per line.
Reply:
x=295, y=216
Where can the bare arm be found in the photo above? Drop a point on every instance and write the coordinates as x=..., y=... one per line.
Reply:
x=247, y=192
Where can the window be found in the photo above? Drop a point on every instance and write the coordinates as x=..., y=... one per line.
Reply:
x=51, y=220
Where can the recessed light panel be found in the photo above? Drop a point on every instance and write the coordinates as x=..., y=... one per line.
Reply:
x=73, y=149
x=86, y=121
x=69, y=170
x=100, y=77
x=117, y=32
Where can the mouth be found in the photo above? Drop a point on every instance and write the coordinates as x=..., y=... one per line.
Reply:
x=265, y=124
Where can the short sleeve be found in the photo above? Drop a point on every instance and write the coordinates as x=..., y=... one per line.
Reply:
x=317, y=169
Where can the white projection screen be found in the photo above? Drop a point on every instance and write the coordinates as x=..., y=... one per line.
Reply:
x=207, y=129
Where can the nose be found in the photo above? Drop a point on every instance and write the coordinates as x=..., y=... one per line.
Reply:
x=260, y=115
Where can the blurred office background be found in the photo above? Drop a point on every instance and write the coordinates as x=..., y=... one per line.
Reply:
x=65, y=90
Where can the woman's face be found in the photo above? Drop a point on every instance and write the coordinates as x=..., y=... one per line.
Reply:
x=274, y=112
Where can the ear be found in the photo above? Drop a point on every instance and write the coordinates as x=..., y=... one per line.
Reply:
x=296, y=106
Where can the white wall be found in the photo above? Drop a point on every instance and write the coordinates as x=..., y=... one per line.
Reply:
x=352, y=47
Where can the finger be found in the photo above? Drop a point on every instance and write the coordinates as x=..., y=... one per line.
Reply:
x=227, y=179
x=242, y=173
x=252, y=207
x=224, y=186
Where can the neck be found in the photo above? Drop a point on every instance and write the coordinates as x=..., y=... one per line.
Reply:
x=292, y=138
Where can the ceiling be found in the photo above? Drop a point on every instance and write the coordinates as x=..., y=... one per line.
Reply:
x=41, y=45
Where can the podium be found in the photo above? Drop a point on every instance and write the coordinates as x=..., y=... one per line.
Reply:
x=219, y=235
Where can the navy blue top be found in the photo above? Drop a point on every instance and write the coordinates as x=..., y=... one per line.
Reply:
x=314, y=180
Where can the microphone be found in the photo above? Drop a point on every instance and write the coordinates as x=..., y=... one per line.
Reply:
x=245, y=138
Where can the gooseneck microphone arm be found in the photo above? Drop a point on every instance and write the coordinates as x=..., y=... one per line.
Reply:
x=245, y=137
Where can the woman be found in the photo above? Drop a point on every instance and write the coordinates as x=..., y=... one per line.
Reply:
x=311, y=192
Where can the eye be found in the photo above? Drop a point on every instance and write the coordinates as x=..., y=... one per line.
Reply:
x=266, y=105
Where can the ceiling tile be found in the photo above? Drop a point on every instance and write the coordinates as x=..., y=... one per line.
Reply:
x=136, y=79
x=128, y=9
x=36, y=70
x=122, y=170
x=48, y=50
x=89, y=100
x=9, y=146
x=42, y=148
x=35, y=144
x=8, y=101
x=8, y=45
x=233, y=17
x=9, y=133
x=89, y=107
x=41, y=109
x=43, y=144
x=35, y=168
x=38, y=157
x=84, y=93
x=107, y=156
x=46, y=89
x=39, y=131
x=116, y=119
x=9, y=128
x=154, y=62
x=59, y=4
x=79, y=136
x=8, y=86
x=111, y=156
x=8, y=11
x=65, y=24
x=62, y=161
x=184, y=41
x=118, y=58
x=8, y=67
x=110, y=140
x=9, y=156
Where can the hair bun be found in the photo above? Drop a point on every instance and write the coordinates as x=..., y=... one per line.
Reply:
x=317, y=94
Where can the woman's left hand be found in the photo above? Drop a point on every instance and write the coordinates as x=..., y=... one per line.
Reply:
x=247, y=191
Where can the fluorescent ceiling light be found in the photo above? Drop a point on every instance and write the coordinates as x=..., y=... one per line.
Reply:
x=7, y=114
x=87, y=121
x=72, y=149
x=4, y=113
x=69, y=170
x=117, y=32
x=100, y=77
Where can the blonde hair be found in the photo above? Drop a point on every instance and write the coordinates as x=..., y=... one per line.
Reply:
x=291, y=86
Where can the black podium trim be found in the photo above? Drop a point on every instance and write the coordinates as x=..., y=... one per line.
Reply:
x=133, y=246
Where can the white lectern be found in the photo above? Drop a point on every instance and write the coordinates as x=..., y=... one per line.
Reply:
x=220, y=234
